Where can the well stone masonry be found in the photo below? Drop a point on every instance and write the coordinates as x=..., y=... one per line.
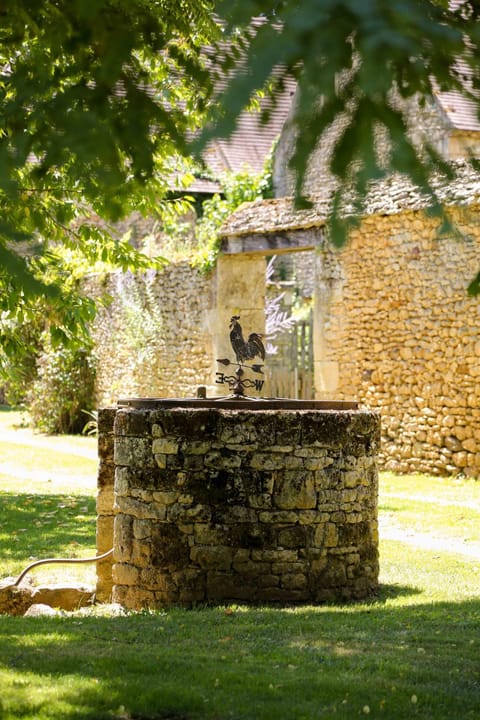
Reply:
x=219, y=505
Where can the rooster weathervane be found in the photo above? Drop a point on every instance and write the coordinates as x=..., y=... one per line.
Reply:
x=244, y=350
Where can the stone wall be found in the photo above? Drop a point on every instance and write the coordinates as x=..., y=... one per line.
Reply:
x=154, y=337
x=105, y=501
x=394, y=325
x=398, y=332
x=426, y=122
x=462, y=144
x=259, y=506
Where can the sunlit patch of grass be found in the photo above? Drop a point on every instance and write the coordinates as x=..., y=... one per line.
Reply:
x=417, y=660
x=450, y=521
x=428, y=574
x=34, y=700
x=12, y=419
x=47, y=502
x=445, y=507
x=44, y=466
x=36, y=527
x=29, y=458
x=451, y=490
x=26, y=455
x=38, y=469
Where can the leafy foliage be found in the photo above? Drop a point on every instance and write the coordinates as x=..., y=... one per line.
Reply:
x=18, y=353
x=91, y=426
x=63, y=389
x=97, y=98
x=357, y=61
x=237, y=188
x=474, y=287
x=139, y=325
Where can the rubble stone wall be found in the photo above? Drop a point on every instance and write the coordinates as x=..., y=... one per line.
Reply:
x=153, y=337
x=105, y=501
x=261, y=506
x=400, y=333
x=394, y=329
x=426, y=122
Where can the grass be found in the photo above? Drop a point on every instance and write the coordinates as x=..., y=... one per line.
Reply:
x=47, y=500
x=37, y=526
x=413, y=652
x=407, y=501
x=376, y=660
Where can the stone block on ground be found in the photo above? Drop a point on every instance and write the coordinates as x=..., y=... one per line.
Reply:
x=16, y=600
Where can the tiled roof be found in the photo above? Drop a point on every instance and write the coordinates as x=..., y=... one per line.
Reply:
x=391, y=196
x=251, y=142
x=460, y=111
x=204, y=186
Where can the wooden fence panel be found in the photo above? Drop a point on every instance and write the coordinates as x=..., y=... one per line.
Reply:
x=295, y=378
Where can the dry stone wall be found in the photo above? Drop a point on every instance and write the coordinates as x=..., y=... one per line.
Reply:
x=153, y=338
x=105, y=501
x=462, y=144
x=263, y=506
x=395, y=327
x=403, y=333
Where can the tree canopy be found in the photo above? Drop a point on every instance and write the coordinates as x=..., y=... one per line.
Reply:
x=98, y=99
x=358, y=61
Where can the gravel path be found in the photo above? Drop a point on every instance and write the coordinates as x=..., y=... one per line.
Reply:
x=388, y=530
x=79, y=446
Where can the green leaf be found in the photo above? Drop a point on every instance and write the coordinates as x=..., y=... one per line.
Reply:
x=31, y=287
x=474, y=287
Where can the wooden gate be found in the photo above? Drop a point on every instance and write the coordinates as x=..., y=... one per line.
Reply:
x=292, y=377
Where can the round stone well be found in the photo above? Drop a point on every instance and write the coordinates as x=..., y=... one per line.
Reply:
x=249, y=501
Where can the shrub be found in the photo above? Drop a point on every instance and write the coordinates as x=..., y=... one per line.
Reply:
x=63, y=389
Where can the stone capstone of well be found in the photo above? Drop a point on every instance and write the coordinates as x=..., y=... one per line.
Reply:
x=218, y=505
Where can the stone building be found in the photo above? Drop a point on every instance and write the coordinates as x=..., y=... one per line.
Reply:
x=153, y=338
x=394, y=325
x=156, y=334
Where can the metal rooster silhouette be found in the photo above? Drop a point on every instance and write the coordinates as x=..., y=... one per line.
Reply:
x=245, y=349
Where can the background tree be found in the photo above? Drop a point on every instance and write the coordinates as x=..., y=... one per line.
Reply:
x=96, y=101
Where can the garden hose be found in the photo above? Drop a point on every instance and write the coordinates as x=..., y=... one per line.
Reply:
x=60, y=560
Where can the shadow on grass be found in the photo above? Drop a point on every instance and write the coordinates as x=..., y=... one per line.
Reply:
x=39, y=526
x=419, y=661
x=390, y=592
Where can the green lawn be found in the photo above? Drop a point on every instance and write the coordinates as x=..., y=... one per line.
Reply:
x=413, y=652
x=407, y=501
x=47, y=500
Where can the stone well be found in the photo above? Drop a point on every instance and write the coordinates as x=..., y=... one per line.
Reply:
x=256, y=505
